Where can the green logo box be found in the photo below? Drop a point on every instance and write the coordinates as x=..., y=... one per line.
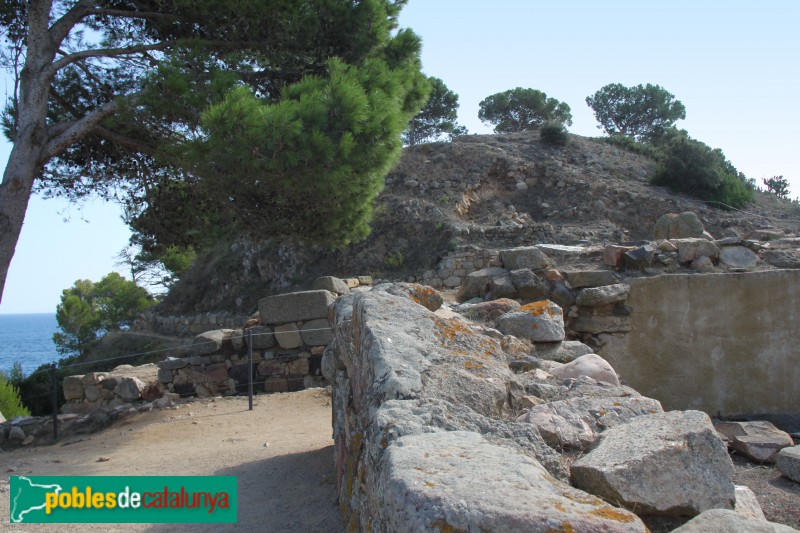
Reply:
x=123, y=499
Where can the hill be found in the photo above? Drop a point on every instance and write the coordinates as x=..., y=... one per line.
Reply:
x=491, y=191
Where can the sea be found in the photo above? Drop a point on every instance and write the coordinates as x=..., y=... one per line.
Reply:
x=28, y=339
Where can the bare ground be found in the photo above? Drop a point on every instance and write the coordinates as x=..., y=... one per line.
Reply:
x=281, y=453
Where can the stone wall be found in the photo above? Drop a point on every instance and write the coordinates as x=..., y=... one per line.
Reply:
x=183, y=326
x=453, y=269
x=434, y=432
x=721, y=343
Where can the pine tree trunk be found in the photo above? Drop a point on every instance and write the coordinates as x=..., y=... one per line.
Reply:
x=30, y=137
x=15, y=192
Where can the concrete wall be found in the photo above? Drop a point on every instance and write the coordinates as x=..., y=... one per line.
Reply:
x=721, y=343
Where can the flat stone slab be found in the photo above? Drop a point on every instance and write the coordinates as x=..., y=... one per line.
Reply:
x=530, y=257
x=295, y=306
x=605, y=295
x=563, y=352
x=759, y=441
x=788, y=462
x=738, y=257
x=458, y=481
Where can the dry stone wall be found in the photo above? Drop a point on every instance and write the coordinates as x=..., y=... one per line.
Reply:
x=426, y=437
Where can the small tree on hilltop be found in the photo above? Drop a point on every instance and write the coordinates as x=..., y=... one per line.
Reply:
x=777, y=185
x=522, y=110
x=437, y=119
x=641, y=112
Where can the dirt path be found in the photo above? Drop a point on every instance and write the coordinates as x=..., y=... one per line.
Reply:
x=281, y=453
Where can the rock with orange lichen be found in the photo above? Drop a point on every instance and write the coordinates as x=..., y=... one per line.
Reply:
x=427, y=297
x=541, y=321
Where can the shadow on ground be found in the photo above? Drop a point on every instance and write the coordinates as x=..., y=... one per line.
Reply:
x=295, y=492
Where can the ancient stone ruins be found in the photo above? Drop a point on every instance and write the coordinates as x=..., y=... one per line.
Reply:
x=548, y=397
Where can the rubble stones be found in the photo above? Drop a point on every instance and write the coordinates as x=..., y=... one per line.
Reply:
x=667, y=463
x=129, y=389
x=528, y=284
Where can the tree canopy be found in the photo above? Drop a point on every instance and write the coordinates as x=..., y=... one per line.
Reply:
x=269, y=116
x=437, y=119
x=88, y=309
x=640, y=112
x=522, y=109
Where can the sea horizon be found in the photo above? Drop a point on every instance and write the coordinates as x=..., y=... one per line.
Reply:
x=27, y=338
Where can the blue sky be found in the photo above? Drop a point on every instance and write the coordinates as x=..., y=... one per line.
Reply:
x=734, y=65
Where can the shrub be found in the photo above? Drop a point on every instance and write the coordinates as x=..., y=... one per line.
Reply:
x=777, y=185
x=10, y=401
x=554, y=133
x=632, y=145
x=690, y=166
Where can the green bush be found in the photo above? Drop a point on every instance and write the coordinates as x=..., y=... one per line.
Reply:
x=10, y=401
x=692, y=167
x=632, y=145
x=554, y=133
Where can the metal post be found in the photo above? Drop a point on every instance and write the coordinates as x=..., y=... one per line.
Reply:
x=54, y=387
x=250, y=372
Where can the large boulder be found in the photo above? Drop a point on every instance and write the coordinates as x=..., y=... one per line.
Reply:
x=576, y=423
x=129, y=389
x=541, y=321
x=727, y=521
x=591, y=365
x=678, y=226
x=459, y=481
x=262, y=337
x=317, y=332
x=529, y=257
x=667, y=463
